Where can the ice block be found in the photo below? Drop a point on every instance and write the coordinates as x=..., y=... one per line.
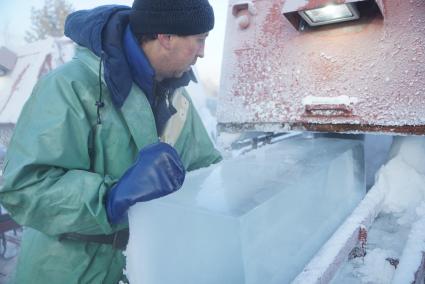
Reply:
x=255, y=219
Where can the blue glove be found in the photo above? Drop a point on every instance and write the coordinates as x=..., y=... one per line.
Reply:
x=158, y=171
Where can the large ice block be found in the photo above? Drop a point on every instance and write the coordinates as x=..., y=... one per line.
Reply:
x=255, y=219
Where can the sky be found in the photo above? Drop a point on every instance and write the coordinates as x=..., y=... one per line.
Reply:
x=15, y=20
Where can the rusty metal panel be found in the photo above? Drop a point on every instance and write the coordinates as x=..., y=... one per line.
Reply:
x=363, y=76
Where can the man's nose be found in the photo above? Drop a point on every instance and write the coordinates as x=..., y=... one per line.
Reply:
x=201, y=51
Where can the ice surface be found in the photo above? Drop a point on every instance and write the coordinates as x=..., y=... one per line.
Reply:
x=257, y=218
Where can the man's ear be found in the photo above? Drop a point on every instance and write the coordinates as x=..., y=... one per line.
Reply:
x=165, y=40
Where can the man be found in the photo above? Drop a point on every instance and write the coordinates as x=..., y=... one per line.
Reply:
x=86, y=147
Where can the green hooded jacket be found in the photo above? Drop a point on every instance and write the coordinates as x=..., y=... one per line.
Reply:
x=60, y=163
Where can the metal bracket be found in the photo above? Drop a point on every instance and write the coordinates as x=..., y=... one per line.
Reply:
x=243, y=11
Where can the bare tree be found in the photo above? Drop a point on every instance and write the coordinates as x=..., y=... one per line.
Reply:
x=49, y=20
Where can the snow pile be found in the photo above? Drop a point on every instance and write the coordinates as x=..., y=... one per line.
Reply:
x=396, y=240
x=403, y=177
x=402, y=180
x=340, y=100
x=413, y=251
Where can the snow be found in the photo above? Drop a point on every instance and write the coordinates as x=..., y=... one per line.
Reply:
x=386, y=238
x=404, y=191
x=374, y=262
x=397, y=232
x=343, y=100
x=248, y=219
x=413, y=252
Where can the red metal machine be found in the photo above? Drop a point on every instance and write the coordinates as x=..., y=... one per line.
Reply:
x=363, y=74
x=348, y=66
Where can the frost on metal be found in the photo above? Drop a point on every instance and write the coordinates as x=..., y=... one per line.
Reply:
x=270, y=68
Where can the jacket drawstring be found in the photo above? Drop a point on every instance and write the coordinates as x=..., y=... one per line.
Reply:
x=100, y=103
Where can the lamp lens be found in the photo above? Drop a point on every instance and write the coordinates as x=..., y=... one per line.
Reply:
x=329, y=13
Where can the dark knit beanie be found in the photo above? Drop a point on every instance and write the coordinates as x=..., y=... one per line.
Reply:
x=180, y=17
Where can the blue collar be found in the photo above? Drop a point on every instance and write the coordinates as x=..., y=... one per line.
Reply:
x=142, y=72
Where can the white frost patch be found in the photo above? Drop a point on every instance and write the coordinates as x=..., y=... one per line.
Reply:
x=340, y=100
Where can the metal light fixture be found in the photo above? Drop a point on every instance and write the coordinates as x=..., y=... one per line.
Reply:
x=330, y=14
x=323, y=12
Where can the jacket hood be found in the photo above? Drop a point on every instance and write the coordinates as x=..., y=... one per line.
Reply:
x=101, y=30
x=86, y=27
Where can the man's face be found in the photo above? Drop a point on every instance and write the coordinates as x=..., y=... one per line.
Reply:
x=184, y=52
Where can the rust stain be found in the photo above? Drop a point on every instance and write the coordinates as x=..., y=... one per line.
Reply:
x=363, y=128
x=337, y=128
x=273, y=24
